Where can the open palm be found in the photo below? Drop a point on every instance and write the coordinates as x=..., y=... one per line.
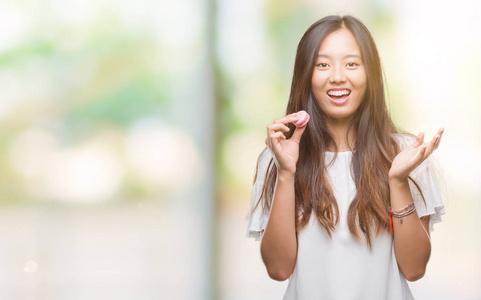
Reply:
x=411, y=157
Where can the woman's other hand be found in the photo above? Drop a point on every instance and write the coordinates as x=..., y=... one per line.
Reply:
x=286, y=151
x=411, y=157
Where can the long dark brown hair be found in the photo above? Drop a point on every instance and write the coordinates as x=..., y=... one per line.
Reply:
x=375, y=144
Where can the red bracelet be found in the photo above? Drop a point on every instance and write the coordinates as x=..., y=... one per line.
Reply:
x=390, y=222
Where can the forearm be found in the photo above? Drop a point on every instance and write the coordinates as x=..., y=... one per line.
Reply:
x=411, y=240
x=279, y=242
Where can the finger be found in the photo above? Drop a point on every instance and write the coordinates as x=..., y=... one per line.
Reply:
x=268, y=142
x=422, y=150
x=277, y=135
x=419, y=140
x=274, y=139
x=438, y=142
x=440, y=133
x=273, y=135
x=420, y=155
x=274, y=129
x=431, y=146
x=278, y=126
x=287, y=119
x=296, y=136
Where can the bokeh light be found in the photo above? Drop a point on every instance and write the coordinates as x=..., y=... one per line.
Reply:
x=130, y=133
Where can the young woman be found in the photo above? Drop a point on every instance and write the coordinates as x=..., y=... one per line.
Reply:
x=344, y=205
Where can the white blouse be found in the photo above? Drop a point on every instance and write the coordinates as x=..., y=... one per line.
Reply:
x=341, y=267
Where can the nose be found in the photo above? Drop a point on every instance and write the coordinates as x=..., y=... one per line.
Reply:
x=337, y=75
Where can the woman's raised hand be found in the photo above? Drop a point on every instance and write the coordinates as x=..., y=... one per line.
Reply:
x=286, y=151
x=411, y=157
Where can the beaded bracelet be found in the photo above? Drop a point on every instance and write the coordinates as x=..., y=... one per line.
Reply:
x=400, y=214
x=407, y=207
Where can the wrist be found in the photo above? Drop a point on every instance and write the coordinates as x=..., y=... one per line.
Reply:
x=284, y=174
x=398, y=181
x=394, y=176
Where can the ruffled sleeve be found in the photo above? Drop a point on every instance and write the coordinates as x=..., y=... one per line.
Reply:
x=426, y=176
x=258, y=220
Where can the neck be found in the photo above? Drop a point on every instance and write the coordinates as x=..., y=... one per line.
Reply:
x=344, y=140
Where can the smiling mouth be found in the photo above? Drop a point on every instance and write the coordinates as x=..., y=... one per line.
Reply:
x=339, y=97
x=338, y=94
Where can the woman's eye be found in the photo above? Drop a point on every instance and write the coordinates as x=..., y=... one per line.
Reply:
x=352, y=64
x=322, y=65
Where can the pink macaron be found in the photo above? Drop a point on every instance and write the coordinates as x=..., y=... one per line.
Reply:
x=303, y=118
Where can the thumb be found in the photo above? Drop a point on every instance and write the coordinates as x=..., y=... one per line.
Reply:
x=419, y=140
x=296, y=136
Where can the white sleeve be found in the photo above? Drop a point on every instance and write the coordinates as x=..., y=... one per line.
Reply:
x=258, y=220
x=425, y=177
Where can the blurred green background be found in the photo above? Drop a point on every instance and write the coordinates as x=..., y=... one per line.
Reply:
x=129, y=133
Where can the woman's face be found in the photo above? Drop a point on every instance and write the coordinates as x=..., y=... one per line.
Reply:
x=339, y=79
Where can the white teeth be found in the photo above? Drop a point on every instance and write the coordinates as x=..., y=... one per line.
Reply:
x=338, y=93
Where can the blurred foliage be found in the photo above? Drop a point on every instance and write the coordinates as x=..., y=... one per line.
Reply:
x=130, y=102
x=76, y=82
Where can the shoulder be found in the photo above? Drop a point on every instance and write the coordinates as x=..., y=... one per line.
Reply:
x=264, y=158
x=263, y=162
x=404, y=140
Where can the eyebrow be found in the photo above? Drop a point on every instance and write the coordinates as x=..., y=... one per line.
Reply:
x=349, y=55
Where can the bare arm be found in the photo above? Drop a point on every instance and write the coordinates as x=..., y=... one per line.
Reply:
x=279, y=242
x=412, y=244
